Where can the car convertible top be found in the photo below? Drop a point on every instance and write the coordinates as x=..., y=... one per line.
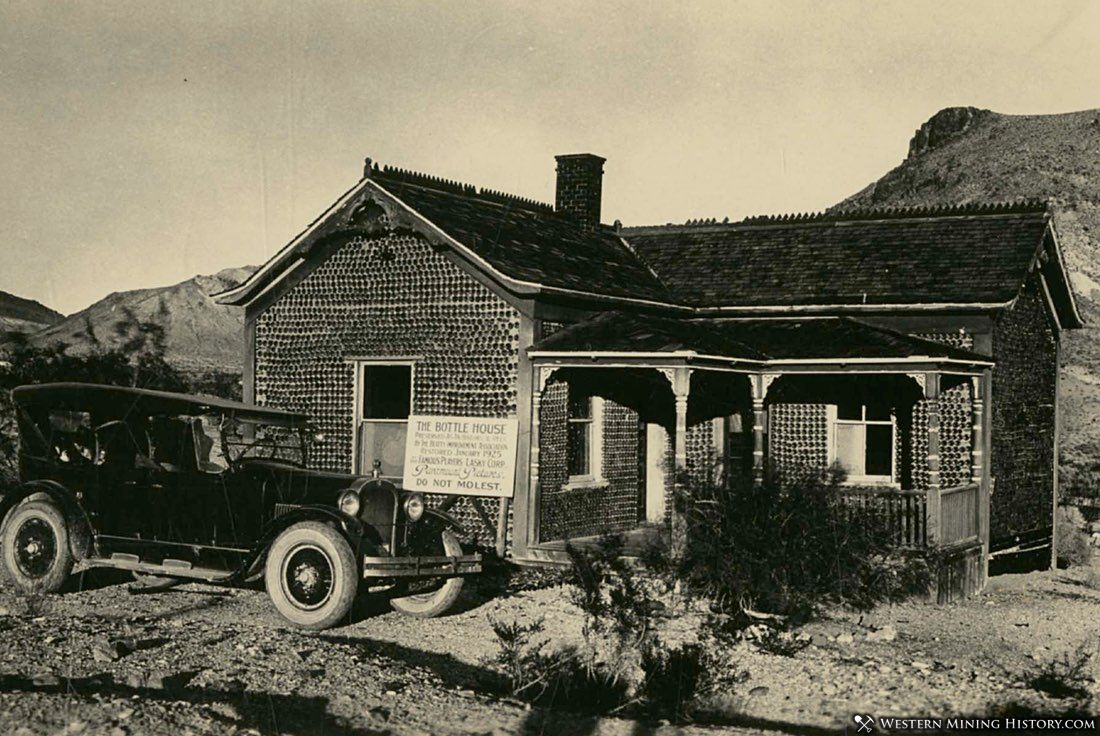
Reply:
x=118, y=402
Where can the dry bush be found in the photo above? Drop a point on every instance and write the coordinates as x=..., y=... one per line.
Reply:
x=789, y=549
x=1067, y=678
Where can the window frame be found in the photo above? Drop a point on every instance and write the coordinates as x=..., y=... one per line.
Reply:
x=358, y=420
x=833, y=421
x=594, y=476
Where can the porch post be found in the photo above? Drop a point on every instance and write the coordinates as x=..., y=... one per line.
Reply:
x=759, y=388
x=681, y=388
x=932, y=394
x=533, y=474
x=977, y=403
x=985, y=491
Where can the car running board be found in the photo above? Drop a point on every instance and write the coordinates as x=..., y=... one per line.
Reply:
x=168, y=568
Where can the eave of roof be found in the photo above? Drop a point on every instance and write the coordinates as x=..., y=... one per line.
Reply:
x=756, y=343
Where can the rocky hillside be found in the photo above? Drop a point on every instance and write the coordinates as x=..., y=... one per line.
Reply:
x=25, y=315
x=966, y=155
x=199, y=334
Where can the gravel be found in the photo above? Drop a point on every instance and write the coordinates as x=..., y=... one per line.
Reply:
x=200, y=660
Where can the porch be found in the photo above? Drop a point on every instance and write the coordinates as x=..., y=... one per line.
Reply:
x=676, y=402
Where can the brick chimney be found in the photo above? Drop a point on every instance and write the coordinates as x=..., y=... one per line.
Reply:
x=580, y=184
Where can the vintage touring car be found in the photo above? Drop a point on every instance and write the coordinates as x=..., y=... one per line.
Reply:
x=176, y=487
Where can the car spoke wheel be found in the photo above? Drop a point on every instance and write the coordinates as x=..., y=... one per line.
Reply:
x=311, y=575
x=36, y=552
x=35, y=548
x=307, y=577
x=433, y=596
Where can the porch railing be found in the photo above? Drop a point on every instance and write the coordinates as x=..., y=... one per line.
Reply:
x=905, y=513
x=959, y=514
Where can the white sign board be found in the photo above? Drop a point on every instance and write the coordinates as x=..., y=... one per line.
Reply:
x=465, y=456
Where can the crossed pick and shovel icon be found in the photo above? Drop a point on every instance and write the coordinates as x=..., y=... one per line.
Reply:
x=866, y=724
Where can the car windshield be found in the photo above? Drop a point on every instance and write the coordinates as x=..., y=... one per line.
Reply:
x=245, y=440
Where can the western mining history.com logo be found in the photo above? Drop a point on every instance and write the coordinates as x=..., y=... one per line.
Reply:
x=864, y=723
x=868, y=724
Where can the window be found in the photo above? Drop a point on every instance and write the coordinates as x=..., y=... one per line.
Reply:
x=579, y=442
x=863, y=441
x=71, y=437
x=584, y=439
x=385, y=405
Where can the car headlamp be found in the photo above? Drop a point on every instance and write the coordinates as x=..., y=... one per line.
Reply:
x=414, y=507
x=349, y=502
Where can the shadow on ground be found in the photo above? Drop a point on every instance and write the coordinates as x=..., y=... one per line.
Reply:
x=263, y=712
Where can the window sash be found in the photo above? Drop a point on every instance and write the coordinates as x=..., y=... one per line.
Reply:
x=854, y=458
x=579, y=447
x=583, y=443
x=382, y=438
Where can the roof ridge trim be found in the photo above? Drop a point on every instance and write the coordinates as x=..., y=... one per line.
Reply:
x=859, y=214
x=450, y=186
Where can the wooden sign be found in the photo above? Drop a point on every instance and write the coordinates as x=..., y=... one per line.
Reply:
x=464, y=456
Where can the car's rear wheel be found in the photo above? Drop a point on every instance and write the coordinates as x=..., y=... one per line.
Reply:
x=433, y=597
x=36, y=552
x=311, y=575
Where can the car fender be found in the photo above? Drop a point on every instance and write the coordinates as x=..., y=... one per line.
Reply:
x=349, y=527
x=449, y=521
x=80, y=526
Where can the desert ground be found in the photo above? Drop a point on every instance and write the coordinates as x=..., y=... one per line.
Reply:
x=201, y=660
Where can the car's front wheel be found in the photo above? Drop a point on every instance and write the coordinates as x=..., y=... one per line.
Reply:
x=433, y=597
x=311, y=575
x=36, y=550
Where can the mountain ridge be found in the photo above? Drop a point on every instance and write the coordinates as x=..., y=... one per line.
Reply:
x=966, y=155
x=199, y=334
x=19, y=314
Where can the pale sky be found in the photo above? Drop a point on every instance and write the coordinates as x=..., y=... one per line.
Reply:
x=142, y=143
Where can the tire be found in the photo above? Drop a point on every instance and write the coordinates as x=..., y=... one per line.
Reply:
x=36, y=553
x=311, y=575
x=439, y=600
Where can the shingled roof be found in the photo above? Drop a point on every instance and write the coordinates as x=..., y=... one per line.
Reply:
x=965, y=255
x=755, y=340
x=972, y=256
x=526, y=240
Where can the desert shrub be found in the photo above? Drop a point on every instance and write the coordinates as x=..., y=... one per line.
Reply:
x=624, y=610
x=621, y=603
x=1068, y=677
x=563, y=678
x=673, y=678
x=1079, y=477
x=789, y=549
x=520, y=656
x=623, y=666
x=1073, y=546
x=225, y=384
